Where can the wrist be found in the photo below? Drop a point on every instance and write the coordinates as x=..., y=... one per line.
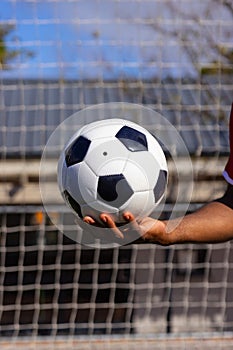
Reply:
x=158, y=233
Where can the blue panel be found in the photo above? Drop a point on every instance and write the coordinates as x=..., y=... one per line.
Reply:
x=133, y=139
x=77, y=151
x=74, y=205
x=114, y=189
x=160, y=185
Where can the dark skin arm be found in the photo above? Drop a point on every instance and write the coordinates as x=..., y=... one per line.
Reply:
x=213, y=223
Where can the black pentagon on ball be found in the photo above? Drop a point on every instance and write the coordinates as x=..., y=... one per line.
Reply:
x=77, y=151
x=114, y=189
x=160, y=185
x=133, y=139
x=73, y=203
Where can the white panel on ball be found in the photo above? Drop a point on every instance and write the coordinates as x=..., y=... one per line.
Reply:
x=150, y=167
x=109, y=156
x=94, y=209
x=100, y=129
x=82, y=181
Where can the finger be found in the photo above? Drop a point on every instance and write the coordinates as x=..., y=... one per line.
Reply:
x=109, y=222
x=89, y=220
x=128, y=216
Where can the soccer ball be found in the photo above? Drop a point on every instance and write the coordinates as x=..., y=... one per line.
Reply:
x=112, y=166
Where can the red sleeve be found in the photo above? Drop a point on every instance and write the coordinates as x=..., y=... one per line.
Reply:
x=228, y=172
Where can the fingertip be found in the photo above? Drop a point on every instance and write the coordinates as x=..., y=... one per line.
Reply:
x=88, y=220
x=107, y=219
x=119, y=235
x=103, y=217
x=128, y=216
x=110, y=223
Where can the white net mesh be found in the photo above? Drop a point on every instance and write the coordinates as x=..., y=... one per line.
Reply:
x=51, y=286
x=62, y=57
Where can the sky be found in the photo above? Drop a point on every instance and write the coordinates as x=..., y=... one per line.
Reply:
x=101, y=39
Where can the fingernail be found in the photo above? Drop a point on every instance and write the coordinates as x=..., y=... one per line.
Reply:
x=104, y=219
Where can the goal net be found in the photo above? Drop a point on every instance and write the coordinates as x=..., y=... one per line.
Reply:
x=58, y=57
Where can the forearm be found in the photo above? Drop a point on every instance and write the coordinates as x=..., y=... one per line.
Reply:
x=212, y=223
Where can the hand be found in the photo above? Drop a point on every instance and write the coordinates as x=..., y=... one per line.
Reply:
x=149, y=229
x=154, y=231
x=110, y=223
